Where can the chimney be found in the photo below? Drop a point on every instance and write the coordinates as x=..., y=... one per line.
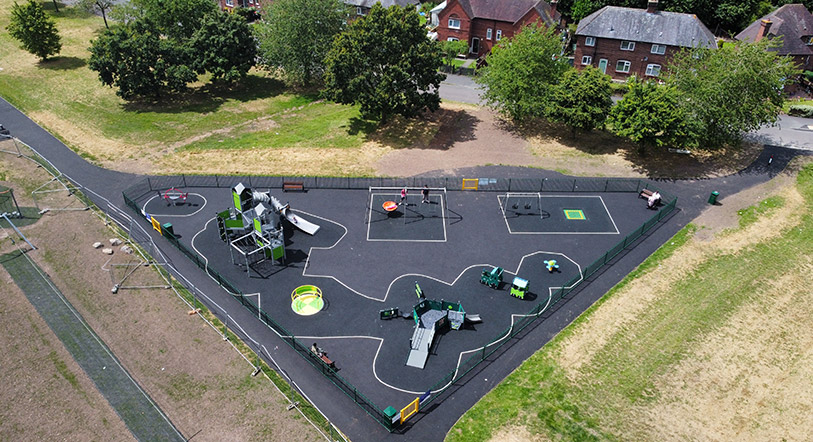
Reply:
x=553, y=4
x=764, y=27
x=652, y=6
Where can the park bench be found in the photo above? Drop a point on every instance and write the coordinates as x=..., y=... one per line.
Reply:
x=293, y=185
x=327, y=361
x=646, y=193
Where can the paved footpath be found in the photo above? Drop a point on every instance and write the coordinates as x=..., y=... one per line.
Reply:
x=141, y=415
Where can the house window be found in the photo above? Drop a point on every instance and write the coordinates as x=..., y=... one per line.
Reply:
x=658, y=49
x=622, y=66
x=810, y=41
x=359, y=10
x=627, y=45
x=452, y=39
x=653, y=70
x=587, y=60
x=230, y=3
x=488, y=34
x=589, y=41
x=454, y=23
x=499, y=34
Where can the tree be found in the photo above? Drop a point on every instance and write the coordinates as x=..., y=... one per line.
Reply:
x=35, y=30
x=97, y=5
x=178, y=19
x=582, y=100
x=139, y=61
x=731, y=90
x=385, y=63
x=522, y=71
x=450, y=49
x=296, y=36
x=650, y=114
x=224, y=47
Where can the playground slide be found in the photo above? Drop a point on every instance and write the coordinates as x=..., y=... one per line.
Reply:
x=301, y=223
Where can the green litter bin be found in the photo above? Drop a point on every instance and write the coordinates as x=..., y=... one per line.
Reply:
x=392, y=413
x=713, y=197
x=167, y=227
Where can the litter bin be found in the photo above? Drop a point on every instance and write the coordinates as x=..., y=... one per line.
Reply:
x=167, y=227
x=713, y=197
x=392, y=413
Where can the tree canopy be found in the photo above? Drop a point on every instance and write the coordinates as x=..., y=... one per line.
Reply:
x=650, y=114
x=141, y=60
x=36, y=31
x=450, y=49
x=731, y=90
x=582, y=100
x=521, y=72
x=385, y=63
x=103, y=6
x=224, y=47
x=296, y=36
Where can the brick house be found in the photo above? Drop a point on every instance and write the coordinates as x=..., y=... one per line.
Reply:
x=231, y=5
x=623, y=42
x=794, y=24
x=483, y=23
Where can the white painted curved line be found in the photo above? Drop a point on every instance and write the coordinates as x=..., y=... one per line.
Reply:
x=144, y=207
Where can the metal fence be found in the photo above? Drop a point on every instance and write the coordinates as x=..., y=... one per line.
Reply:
x=149, y=185
x=578, y=184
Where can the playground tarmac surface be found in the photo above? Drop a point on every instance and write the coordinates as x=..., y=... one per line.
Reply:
x=478, y=239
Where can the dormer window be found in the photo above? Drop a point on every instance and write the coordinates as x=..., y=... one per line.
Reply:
x=454, y=22
x=810, y=41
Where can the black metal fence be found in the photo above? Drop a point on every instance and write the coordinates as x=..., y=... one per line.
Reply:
x=149, y=185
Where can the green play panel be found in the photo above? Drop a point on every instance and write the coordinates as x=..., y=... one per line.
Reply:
x=574, y=214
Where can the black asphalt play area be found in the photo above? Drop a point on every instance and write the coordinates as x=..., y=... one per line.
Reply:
x=365, y=259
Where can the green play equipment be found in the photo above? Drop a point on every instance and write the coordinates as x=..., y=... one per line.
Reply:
x=492, y=278
x=431, y=316
x=418, y=290
x=519, y=288
x=307, y=300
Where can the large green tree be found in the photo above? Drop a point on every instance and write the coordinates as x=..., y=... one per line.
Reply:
x=296, y=36
x=582, y=100
x=522, y=72
x=385, y=63
x=731, y=90
x=223, y=46
x=650, y=114
x=178, y=19
x=139, y=61
x=36, y=31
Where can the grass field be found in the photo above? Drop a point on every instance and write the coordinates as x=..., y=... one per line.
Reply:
x=705, y=340
x=67, y=98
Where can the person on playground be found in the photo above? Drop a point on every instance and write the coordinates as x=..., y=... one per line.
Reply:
x=318, y=351
x=403, y=196
x=425, y=194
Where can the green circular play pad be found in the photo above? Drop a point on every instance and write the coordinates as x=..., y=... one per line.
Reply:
x=307, y=300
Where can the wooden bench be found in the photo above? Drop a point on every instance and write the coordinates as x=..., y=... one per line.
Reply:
x=327, y=361
x=293, y=185
x=646, y=193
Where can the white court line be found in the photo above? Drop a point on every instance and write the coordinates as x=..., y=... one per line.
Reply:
x=398, y=196
x=144, y=207
x=502, y=210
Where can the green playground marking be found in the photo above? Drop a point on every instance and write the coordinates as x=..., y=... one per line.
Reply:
x=307, y=305
x=574, y=214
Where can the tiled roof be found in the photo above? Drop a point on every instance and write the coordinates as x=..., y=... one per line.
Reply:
x=667, y=28
x=792, y=23
x=508, y=10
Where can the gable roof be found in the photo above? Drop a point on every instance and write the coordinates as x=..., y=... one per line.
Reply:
x=510, y=11
x=792, y=23
x=668, y=28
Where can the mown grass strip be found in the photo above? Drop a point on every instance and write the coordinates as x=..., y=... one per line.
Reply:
x=619, y=377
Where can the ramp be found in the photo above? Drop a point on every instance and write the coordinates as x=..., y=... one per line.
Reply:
x=419, y=346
